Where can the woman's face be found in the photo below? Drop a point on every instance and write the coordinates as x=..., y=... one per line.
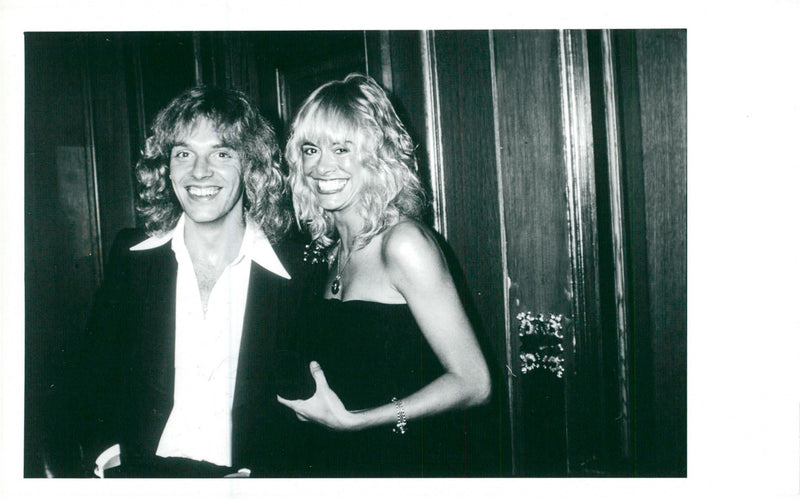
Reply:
x=333, y=172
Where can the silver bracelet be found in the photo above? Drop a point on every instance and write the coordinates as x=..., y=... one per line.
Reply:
x=400, y=427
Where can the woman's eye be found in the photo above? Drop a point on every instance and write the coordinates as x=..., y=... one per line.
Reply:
x=309, y=151
x=341, y=150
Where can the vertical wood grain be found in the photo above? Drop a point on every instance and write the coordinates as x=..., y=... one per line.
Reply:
x=610, y=124
x=612, y=449
x=469, y=166
x=111, y=137
x=652, y=91
x=433, y=133
x=662, y=83
x=61, y=262
x=585, y=381
x=466, y=117
x=397, y=60
x=534, y=183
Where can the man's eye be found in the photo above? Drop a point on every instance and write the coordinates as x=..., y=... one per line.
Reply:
x=224, y=154
x=181, y=154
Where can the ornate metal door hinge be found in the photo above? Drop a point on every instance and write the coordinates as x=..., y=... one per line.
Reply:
x=541, y=343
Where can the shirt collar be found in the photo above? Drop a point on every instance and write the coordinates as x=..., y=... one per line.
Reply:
x=255, y=245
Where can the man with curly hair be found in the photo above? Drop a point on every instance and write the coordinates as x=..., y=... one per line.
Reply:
x=184, y=341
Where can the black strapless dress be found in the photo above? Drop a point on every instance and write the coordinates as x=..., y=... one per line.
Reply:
x=371, y=352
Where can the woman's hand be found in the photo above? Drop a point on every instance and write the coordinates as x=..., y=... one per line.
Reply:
x=324, y=407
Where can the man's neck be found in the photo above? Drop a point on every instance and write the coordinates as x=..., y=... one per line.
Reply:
x=212, y=247
x=216, y=244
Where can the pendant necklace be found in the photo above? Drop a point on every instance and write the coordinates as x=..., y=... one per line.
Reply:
x=336, y=285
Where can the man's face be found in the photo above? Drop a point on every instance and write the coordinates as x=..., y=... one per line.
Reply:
x=206, y=176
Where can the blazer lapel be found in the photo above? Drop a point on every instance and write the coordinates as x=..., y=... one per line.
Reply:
x=261, y=319
x=158, y=280
x=151, y=350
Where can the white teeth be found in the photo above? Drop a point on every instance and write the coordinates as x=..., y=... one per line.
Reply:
x=331, y=186
x=203, y=191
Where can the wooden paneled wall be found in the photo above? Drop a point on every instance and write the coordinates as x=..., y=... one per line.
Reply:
x=77, y=156
x=472, y=215
x=653, y=69
x=491, y=216
x=531, y=152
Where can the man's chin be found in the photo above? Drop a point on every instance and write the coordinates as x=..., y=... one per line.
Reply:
x=207, y=219
x=212, y=215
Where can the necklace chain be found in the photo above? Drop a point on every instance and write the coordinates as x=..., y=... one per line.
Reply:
x=336, y=285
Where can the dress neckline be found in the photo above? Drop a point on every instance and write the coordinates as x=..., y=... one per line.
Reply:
x=365, y=302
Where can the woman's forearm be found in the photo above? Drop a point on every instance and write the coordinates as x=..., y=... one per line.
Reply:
x=448, y=392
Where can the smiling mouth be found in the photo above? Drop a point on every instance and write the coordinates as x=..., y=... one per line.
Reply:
x=330, y=186
x=203, y=192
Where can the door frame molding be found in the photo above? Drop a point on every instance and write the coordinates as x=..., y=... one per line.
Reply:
x=433, y=131
x=584, y=380
x=618, y=223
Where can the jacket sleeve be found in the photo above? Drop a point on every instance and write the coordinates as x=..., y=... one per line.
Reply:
x=99, y=362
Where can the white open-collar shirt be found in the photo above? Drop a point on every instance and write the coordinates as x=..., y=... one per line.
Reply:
x=207, y=347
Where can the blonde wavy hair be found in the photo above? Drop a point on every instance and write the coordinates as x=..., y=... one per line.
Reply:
x=356, y=109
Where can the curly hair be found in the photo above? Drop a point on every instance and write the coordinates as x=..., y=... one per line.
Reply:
x=356, y=109
x=243, y=129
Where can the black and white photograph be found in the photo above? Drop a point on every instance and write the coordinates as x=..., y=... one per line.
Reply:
x=438, y=260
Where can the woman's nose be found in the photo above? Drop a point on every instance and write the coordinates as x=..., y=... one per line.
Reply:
x=327, y=163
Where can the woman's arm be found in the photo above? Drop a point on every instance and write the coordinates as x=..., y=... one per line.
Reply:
x=417, y=270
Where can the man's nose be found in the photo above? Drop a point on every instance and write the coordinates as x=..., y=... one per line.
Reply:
x=201, y=168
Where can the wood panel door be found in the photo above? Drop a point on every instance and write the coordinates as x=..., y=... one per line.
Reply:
x=545, y=167
x=539, y=140
x=592, y=166
x=517, y=190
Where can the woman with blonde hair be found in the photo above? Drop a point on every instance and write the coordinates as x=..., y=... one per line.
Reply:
x=393, y=355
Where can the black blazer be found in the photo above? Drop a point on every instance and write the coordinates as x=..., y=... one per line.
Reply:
x=128, y=358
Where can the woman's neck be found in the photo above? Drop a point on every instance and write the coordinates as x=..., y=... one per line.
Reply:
x=347, y=226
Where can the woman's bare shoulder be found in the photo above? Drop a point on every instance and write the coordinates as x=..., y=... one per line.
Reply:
x=409, y=246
